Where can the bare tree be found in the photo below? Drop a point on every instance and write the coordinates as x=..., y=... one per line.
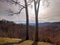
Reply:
x=21, y=7
x=27, y=20
x=36, y=7
x=36, y=4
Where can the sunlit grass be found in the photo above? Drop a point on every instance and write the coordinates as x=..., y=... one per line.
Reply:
x=8, y=40
x=44, y=43
x=13, y=40
x=28, y=42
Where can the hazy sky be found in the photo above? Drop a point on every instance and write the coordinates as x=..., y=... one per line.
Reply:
x=46, y=14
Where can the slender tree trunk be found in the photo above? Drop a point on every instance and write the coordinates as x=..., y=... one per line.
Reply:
x=27, y=20
x=36, y=19
x=36, y=32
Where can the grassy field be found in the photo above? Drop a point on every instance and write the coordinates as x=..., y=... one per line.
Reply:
x=13, y=40
x=9, y=40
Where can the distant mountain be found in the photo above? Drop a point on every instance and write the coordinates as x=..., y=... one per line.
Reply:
x=46, y=24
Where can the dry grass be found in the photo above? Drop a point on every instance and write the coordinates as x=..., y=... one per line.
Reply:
x=28, y=42
x=9, y=40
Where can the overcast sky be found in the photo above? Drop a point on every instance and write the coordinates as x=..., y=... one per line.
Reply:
x=46, y=14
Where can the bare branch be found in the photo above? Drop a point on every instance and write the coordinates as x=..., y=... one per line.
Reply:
x=17, y=12
x=38, y=6
x=12, y=2
x=16, y=2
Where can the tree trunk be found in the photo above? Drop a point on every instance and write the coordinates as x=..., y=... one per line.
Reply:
x=36, y=18
x=27, y=20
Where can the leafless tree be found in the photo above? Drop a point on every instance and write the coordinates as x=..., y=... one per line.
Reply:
x=36, y=8
x=36, y=2
x=21, y=7
x=27, y=20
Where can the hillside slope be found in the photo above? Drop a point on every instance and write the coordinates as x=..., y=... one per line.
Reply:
x=48, y=33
